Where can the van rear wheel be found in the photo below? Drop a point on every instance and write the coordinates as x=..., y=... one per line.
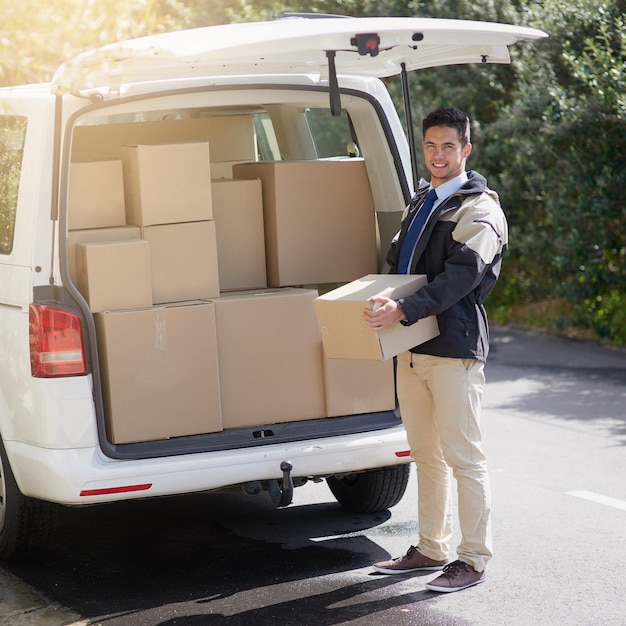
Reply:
x=373, y=491
x=26, y=525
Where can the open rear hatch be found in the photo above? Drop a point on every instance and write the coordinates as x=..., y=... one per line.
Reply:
x=362, y=46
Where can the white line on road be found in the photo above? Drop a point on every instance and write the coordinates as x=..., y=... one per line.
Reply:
x=596, y=497
x=331, y=537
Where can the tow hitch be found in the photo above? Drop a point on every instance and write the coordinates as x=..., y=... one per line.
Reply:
x=281, y=491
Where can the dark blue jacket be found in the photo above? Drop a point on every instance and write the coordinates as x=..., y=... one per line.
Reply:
x=460, y=252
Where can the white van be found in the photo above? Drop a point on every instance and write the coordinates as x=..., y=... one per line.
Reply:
x=170, y=207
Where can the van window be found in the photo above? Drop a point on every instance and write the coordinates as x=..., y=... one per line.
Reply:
x=267, y=143
x=312, y=133
x=12, y=135
x=333, y=136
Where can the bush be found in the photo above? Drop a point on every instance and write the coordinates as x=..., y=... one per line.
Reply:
x=556, y=156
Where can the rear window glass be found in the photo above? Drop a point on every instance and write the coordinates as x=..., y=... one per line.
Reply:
x=333, y=136
x=12, y=135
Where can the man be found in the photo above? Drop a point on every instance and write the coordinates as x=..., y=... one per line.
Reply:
x=459, y=244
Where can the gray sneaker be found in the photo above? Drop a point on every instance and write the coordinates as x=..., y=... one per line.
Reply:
x=412, y=561
x=456, y=576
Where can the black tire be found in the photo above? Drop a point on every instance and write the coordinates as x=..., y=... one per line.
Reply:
x=373, y=491
x=26, y=525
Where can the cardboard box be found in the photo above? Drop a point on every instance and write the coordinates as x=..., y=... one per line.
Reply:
x=319, y=220
x=184, y=261
x=159, y=372
x=357, y=386
x=114, y=275
x=344, y=332
x=96, y=195
x=167, y=183
x=270, y=357
x=97, y=235
x=238, y=213
x=230, y=137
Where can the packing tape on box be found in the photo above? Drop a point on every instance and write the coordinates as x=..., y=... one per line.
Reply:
x=160, y=328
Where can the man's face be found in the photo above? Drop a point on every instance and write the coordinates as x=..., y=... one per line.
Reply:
x=444, y=154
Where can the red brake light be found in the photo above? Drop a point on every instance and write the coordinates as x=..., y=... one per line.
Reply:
x=56, y=342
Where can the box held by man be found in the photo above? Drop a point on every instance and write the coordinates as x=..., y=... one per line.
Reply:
x=345, y=334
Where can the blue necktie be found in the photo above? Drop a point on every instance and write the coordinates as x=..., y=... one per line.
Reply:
x=414, y=232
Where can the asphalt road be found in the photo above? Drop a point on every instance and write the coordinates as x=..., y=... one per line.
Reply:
x=555, y=433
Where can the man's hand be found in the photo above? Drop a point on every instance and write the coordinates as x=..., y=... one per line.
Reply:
x=384, y=313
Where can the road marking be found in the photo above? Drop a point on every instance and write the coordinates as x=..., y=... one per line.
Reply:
x=596, y=497
x=332, y=537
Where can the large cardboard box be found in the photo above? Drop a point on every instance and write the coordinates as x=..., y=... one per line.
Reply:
x=319, y=220
x=167, y=183
x=345, y=334
x=159, y=372
x=114, y=275
x=231, y=137
x=184, y=261
x=96, y=195
x=238, y=213
x=97, y=235
x=270, y=357
x=358, y=386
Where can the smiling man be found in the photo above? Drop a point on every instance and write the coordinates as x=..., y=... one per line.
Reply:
x=455, y=232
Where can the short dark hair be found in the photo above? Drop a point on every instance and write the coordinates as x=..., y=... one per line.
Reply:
x=452, y=117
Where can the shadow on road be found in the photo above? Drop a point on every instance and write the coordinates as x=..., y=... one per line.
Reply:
x=220, y=559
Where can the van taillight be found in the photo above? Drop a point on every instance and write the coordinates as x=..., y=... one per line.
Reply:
x=56, y=342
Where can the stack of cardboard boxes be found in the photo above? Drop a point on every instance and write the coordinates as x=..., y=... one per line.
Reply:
x=199, y=288
x=146, y=270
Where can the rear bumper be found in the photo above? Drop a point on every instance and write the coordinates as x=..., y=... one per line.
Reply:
x=85, y=476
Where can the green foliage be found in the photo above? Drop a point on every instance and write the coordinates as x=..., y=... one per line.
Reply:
x=266, y=9
x=556, y=156
x=36, y=37
x=606, y=314
x=12, y=134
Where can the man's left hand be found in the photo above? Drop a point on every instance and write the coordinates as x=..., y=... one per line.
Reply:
x=384, y=313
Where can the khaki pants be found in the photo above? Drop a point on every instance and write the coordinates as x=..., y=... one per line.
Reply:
x=440, y=401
